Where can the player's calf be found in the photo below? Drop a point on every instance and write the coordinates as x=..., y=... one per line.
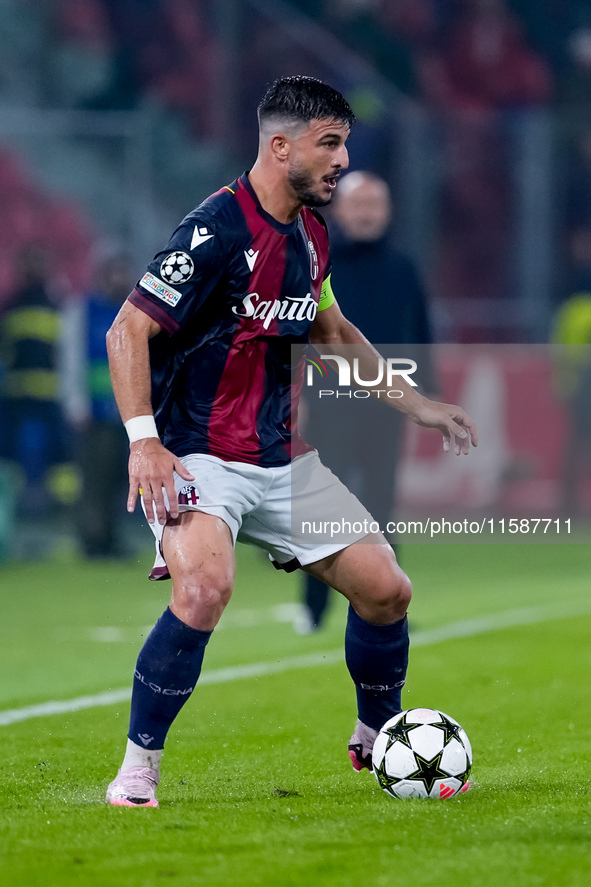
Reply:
x=377, y=659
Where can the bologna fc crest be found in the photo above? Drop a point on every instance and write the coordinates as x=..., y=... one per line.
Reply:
x=188, y=496
x=313, y=261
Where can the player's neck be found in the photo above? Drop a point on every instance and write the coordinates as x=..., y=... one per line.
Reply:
x=273, y=195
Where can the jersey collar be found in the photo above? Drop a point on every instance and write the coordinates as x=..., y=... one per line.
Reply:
x=279, y=226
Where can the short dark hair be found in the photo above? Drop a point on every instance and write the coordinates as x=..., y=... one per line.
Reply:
x=304, y=99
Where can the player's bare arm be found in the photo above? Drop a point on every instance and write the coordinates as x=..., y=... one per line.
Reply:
x=332, y=329
x=151, y=465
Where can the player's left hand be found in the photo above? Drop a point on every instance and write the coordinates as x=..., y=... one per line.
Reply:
x=456, y=426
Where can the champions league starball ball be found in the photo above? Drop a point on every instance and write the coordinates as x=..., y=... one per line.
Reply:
x=422, y=753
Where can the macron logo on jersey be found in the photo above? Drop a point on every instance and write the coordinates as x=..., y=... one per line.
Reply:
x=200, y=235
x=251, y=257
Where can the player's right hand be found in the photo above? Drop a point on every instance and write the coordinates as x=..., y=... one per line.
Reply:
x=151, y=468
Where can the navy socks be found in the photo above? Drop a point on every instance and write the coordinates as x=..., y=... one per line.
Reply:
x=377, y=659
x=166, y=672
x=169, y=666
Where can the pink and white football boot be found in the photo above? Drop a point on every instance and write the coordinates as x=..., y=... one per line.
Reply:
x=135, y=787
x=361, y=747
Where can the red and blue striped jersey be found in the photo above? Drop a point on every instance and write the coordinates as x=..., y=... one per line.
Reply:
x=232, y=291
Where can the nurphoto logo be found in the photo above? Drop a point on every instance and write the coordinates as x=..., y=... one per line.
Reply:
x=387, y=370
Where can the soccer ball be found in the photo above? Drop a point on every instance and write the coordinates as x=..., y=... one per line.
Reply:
x=422, y=753
x=177, y=267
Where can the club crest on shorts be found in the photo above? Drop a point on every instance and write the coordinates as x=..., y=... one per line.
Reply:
x=313, y=260
x=188, y=496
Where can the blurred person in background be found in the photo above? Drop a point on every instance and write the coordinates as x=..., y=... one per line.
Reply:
x=92, y=410
x=380, y=291
x=572, y=327
x=483, y=62
x=33, y=428
x=578, y=201
x=480, y=74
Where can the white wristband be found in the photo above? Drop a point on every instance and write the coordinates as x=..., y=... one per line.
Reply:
x=140, y=427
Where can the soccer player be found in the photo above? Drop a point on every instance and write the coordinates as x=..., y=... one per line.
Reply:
x=201, y=369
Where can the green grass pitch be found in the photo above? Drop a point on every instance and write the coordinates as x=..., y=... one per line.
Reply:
x=257, y=788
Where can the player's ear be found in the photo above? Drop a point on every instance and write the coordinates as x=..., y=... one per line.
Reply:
x=280, y=147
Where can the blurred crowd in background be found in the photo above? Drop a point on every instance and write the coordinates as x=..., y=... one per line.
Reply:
x=118, y=116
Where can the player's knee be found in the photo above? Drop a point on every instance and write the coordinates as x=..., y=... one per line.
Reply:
x=202, y=598
x=391, y=596
x=403, y=591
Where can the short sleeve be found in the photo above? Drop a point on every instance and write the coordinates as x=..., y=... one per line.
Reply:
x=181, y=277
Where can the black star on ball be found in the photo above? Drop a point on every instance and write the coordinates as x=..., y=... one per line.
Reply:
x=430, y=771
x=450, y=729
x=385, y=780
x=399, y=733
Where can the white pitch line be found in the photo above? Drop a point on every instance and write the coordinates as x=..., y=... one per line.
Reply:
x=497, y=621
x=465, y=629
x=243, y=618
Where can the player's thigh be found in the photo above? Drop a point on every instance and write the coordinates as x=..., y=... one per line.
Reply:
x=199, y=553
x=369, y=576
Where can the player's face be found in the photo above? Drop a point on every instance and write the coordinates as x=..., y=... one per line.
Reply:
x=316, y=160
